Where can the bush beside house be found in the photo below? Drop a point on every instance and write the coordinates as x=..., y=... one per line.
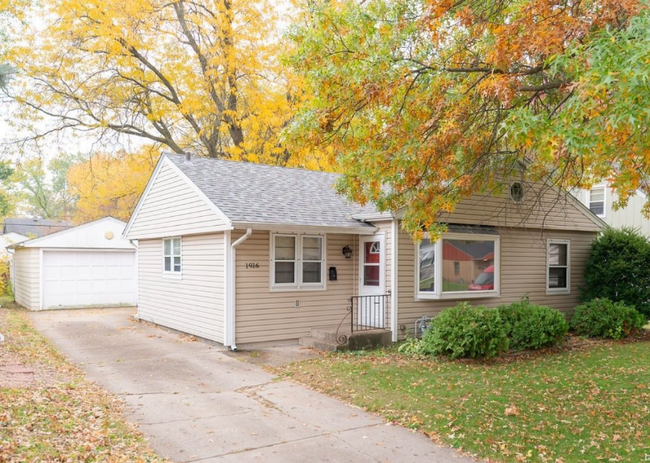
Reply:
x=530, y=326
x=466, y=331
x=603, y=318
x=618, y=269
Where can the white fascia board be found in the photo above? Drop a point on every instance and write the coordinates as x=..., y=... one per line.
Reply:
x=289, y=228
x=144, y=195
x=374, y=217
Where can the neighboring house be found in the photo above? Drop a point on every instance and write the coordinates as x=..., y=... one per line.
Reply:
x=243, y=253
x=600, y=200
x=88, y=265
x=34, y=228
x=7, y=240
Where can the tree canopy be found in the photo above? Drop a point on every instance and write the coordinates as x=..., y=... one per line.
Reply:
x=428, y=101
x=110, y=184
x=191, y=75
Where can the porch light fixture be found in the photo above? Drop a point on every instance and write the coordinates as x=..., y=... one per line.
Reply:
x=347, y=252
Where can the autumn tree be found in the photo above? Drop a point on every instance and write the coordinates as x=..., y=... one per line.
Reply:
x=190, y=75
x=428, y=101
x=110, y=184
x=40, y=188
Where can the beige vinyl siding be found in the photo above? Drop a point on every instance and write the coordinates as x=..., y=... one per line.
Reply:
x=523, y=271
x=173, y=208
x=27, y=275
x=265, y=315
x=193, y=303
x=542, y=208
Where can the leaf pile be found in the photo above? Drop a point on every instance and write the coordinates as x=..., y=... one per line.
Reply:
x=59, y=416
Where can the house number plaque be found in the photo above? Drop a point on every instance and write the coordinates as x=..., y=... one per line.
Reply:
x=252, y=265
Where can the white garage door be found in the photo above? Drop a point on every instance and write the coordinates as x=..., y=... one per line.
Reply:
x=82, y=278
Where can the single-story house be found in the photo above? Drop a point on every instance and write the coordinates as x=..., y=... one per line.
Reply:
x=88, y=265
x=244, y=253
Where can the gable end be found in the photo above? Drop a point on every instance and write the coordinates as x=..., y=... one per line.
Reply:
x=173, y=205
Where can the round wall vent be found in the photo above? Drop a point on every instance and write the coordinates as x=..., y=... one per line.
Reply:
x=109, y=235
x=517, y=192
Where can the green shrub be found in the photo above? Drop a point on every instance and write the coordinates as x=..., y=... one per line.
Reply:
x=466, y=331
x=411, y=346
x=530, y=326
x=603, y=318
x=617, y=269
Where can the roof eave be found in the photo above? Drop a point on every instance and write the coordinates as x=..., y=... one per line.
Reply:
x=366, y=229
x=374, y=216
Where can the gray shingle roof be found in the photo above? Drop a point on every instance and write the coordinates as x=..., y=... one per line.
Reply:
x=259, y=193
x=34, y=227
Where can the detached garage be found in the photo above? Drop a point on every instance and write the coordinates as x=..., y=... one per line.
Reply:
x=88, y=265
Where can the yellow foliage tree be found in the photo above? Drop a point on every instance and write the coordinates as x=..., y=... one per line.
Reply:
x=110, y=185
x=194, y=75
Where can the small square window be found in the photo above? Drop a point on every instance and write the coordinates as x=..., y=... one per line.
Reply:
x=172, y=259
x=297, y=262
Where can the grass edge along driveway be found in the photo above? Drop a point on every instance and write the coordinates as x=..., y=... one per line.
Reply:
x=58, y=416
x=586, y=404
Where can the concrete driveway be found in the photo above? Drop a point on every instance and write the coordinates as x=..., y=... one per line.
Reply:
x=197, y=404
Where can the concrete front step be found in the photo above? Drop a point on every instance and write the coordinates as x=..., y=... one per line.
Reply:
x=326, y=339
x=320, y=344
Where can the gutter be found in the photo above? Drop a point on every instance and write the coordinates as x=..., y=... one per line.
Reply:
x=232, y=287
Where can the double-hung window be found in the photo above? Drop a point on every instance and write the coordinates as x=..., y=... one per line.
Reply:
x=172, y=258
x=558, y=268
x=458, y=265
x=297, y=262
x=597, y=200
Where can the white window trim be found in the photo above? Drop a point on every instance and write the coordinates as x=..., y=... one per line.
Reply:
x=171, y=273
x=604, y=199
x=566, y=290
x=438, y=294
x=298, y=285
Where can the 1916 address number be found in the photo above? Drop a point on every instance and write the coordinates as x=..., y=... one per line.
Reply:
x=252, y=265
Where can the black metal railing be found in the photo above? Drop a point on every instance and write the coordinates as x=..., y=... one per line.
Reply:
x=368, y=312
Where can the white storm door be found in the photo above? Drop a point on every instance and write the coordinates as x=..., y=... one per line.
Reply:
x=371, y=307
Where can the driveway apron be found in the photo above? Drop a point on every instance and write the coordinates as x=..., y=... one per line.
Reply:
x=194, y=403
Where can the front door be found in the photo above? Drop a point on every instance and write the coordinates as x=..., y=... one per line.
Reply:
x=371, y=307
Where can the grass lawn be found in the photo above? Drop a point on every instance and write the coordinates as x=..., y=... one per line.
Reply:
x=588, y=404
x=58, y=416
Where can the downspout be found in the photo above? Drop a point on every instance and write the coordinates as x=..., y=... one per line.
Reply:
x=136, y=245
x=394, y=278
x=233, y=286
